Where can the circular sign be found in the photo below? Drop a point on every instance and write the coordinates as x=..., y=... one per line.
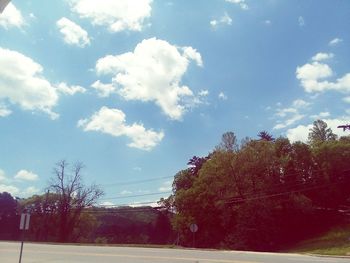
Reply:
x=193, y=228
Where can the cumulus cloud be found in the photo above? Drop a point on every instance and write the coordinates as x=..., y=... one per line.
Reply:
x=4, y=111
x=29, y=191
x=314, y=76
x=103, y=90
x=203, y=93
x=112, y=122
x=335, y=41
x=241, y=3
x=290, y=115
x=13, y=190
x=11, y=17
x=26, y=176
x=321, y=115
x=72, y=33
x=301, y=132
x=322, y=56
x=224, y=20
x=152, y=72
x=116, y=15
x=22, y=83
x=64, y=88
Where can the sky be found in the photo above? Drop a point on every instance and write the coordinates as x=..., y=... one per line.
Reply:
x=134, y=88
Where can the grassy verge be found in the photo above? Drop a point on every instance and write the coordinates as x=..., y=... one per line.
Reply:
x=335, y=242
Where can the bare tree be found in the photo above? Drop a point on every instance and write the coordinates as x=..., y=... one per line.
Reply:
x=73, y=196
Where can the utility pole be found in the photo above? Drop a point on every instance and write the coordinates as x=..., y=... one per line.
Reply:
x=344, y=127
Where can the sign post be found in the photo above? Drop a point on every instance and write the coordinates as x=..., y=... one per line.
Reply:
x=23, y=225
x=194, y=229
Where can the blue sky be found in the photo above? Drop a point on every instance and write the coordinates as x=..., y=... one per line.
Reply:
x=135, y=88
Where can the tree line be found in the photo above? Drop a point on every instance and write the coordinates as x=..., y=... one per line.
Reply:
x=68, y=212
x=259, y=194
x=265, y=193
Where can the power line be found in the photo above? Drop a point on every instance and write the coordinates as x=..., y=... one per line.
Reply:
x=138, y=181
x=281, y=194
x=131, y=196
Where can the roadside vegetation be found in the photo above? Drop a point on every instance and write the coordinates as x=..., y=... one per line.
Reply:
x=264, y=194
x=335, y=241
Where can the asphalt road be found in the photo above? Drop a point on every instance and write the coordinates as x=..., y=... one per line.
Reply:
x=9, y=252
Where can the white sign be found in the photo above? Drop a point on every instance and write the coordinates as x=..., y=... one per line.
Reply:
x=24, y=223
x=193, y=228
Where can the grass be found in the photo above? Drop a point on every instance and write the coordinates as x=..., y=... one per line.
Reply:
x=334, y=242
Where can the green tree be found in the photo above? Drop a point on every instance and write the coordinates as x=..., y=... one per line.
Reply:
x=9, y=218
x=228, y=142
x=264, y=135
x=320, y=133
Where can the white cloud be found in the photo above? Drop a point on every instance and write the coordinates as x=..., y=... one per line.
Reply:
x=166, y=186
x=312, y=77
x=224, y=20
x=69, y=90
x=112, y=122
x=301, y=21
x=33, y=92
x=29, y=191
x=2, y=175
x=267, y=22
x=291, y=114
x=13, y=190
x=222, y=96
x=107, y=203
x=4, y=111
x=335, y=41
x=26, y=176
x=116, y=15
x=203, y=93
x=103, y=90
x=153, y=72
x=347, y=99
x=11, y=17
x=321, y=115
x=299, y=103
x=301, y=132
x=288, y=122
x=241, y=3
x=322, y=56
x=72, y=33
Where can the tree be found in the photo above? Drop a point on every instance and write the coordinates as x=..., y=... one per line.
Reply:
x=73, y=196
x=228, y=142
x=320, y=133
x=265, y=136
x=8, y=217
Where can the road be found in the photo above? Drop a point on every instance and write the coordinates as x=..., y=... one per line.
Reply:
x=9, y=252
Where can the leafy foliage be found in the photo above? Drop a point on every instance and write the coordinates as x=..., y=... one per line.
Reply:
x=266, y=194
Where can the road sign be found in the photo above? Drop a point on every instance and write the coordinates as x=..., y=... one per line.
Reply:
x=193, y=228
x=24, y=223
